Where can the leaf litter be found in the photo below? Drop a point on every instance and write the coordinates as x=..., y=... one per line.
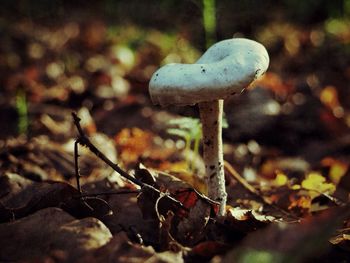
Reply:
x=287, y=201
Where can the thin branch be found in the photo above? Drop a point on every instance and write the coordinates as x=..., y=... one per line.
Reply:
x=251, y=189
x=111, y=193
x=331, y=198
x=240, y=179
x=254, y=191
x=85, y=141
x=76, y=165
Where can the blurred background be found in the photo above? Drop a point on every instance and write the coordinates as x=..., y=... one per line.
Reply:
x=96, y=58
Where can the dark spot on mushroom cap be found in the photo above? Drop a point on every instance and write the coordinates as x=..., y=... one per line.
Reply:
x=212, y=167
x=203, y=70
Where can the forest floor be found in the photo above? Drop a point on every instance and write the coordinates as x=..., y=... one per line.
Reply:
x=287, y=150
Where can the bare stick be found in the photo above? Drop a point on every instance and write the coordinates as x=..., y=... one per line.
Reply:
x=241, y=180
x=119, y=192
x=84, y=140
x=255, y=192
x=76, y=165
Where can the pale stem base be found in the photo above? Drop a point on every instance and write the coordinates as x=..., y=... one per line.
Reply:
x=211, y=118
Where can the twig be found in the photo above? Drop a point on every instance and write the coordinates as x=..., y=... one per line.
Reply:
x=84, y=140
x=136, y=235
x=244, y=183
x=254, y=191
x=76, y=165
x=240, y=179
x=333, y=199
x=111, y=193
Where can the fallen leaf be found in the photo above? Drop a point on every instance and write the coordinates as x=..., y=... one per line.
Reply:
x=337, y=169
x=236, y=225
x=11, y=184
x=41, y=159
x=206, y=250
x=189, y=221
x=290, y=242
x=50, y=230
x=120, y=249
x=317, y=185
x=329, y=97
x=280, y=180
x=133, y=143
x=37, y=196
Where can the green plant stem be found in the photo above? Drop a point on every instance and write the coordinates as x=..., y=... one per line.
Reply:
x=209, y=21
x=22, y=111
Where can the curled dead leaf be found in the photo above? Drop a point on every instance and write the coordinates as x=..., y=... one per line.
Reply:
x=37, y=196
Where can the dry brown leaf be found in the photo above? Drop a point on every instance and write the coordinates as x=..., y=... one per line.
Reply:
x=119, y=249
x=50, y=230
x=290, y=242
x=189, y=223
x=37, y=196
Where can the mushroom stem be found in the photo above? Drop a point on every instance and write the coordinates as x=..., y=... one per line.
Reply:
x=211, y=118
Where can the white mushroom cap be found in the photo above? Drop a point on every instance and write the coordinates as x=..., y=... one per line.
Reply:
x=225, y=68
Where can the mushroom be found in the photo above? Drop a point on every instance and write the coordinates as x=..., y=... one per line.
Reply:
x=226, y=68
